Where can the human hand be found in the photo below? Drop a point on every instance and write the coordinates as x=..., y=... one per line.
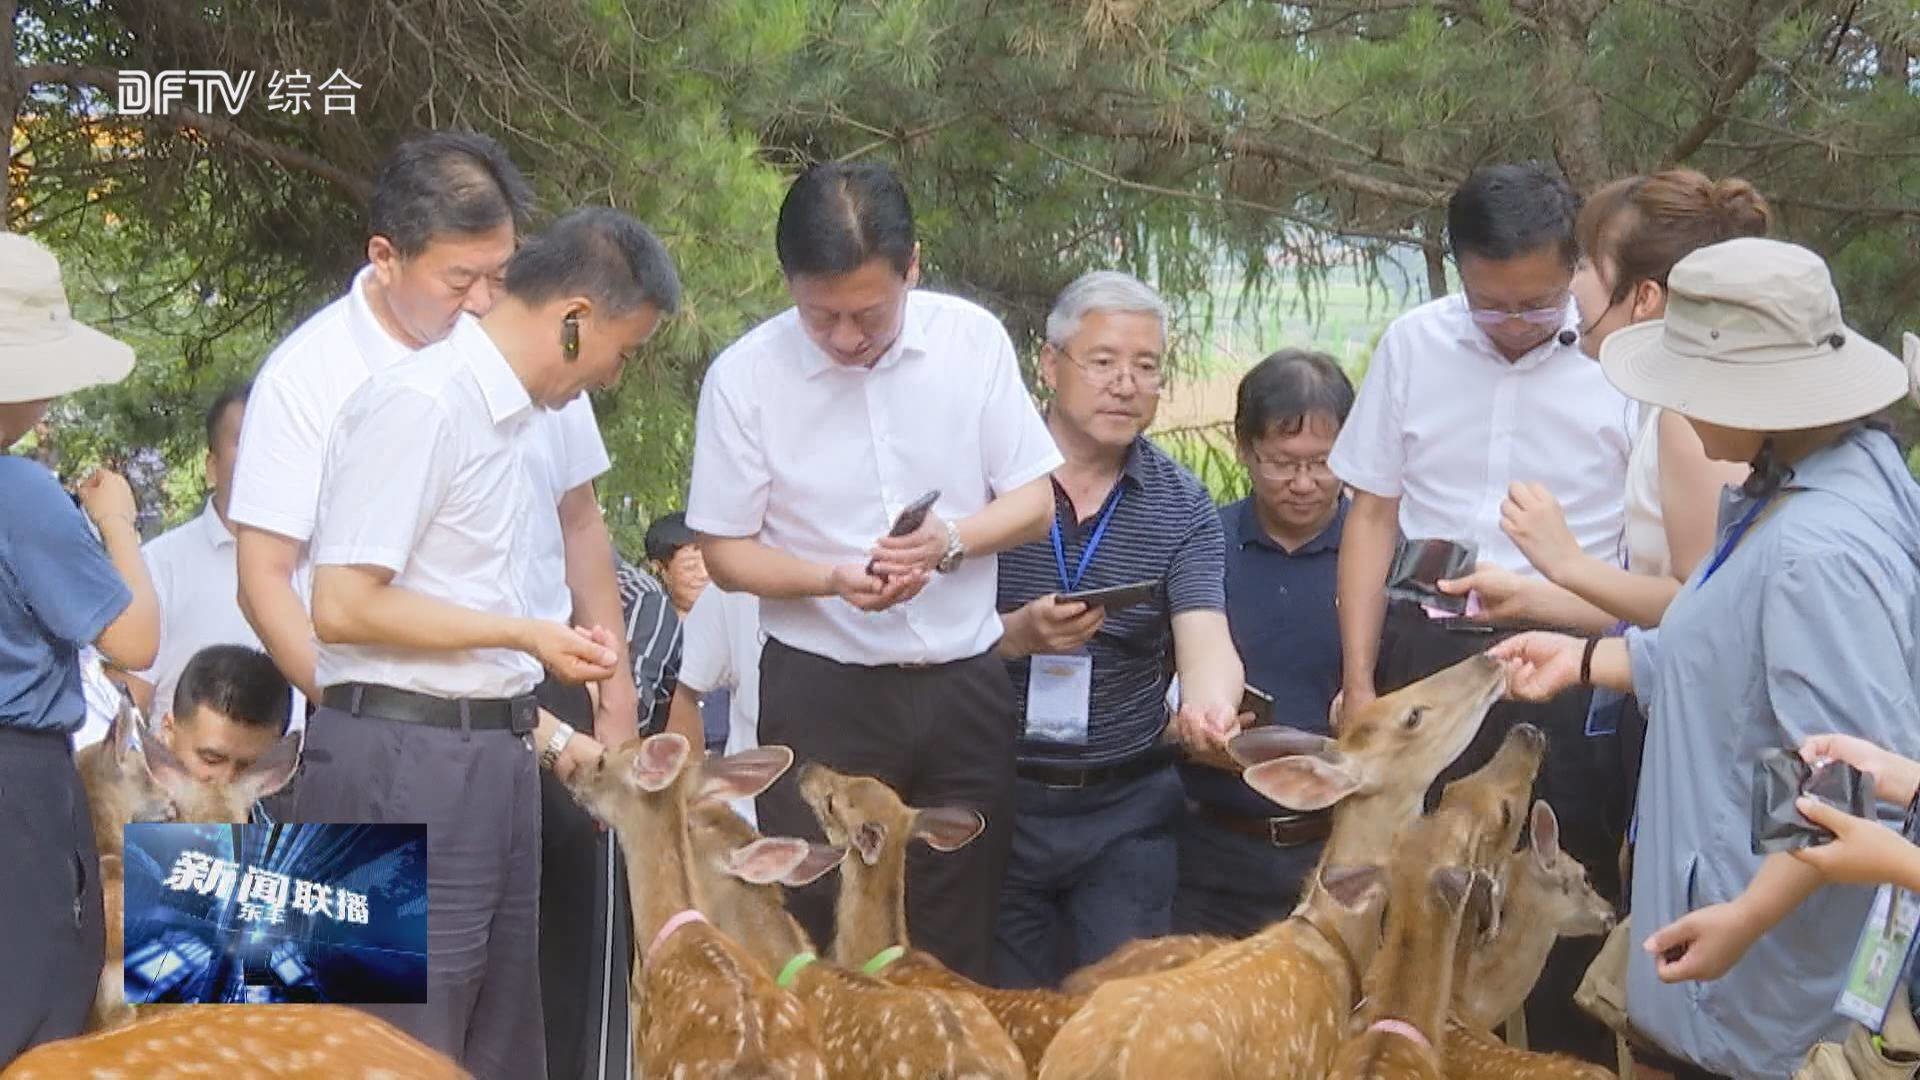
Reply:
x=1861, y=852
x=575, y=654
x=1205, y=728
x=1496, y=595
x=1534, y=520
x=1539, y=664
x=1895, y=778
x=869, y=593
x=920, y=550
x=1055, y=626
x=1702, y=945
x=1349, y=700
x=104, y=496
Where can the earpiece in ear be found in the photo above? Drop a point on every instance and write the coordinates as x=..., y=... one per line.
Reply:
x=570, y=336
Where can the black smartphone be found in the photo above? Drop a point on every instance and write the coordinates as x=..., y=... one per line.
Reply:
x=1780, y=777
x=1116, y=597
x=1420, y=565
x=909, y=520
x=1258, y=702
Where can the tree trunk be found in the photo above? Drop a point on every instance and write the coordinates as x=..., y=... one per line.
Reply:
x=1579, y=135
x=11, y=91
x=1435, y=254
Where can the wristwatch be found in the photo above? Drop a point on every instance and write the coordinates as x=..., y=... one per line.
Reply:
x=556, y=742
x=956, y=551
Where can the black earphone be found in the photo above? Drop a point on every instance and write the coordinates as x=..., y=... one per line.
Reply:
x=570, y=336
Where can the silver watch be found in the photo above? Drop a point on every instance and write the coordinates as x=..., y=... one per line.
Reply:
x=556, y=742
x=956, y=551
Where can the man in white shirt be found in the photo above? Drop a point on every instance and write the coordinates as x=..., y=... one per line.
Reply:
x=194, y=573
x=718, y=692
x=429, y=551
x=1466, y=396
x=442, y=224
x=816, y=431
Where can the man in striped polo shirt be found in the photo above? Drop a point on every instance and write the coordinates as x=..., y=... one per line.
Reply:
x=1096, y=798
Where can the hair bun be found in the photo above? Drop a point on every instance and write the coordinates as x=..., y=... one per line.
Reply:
x=1740, y=205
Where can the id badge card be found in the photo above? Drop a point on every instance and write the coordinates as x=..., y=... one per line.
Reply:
x=1880, y=958
x=1059, y=698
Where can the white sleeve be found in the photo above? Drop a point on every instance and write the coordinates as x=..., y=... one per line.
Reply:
x=1014, y=440
x=706, y=652
x=580, y=455
x=1370, y=453
x=728, y=495
x=387, y=472
x=283, y=444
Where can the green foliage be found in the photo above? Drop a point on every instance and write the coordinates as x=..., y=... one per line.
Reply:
x=1208, y=453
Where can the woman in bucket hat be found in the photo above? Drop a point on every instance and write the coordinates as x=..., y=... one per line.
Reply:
x=60, y=591
x=1804, y=620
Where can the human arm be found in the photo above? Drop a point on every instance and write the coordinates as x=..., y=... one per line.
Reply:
x=1541, y=665
x=132, y=639
x=1018, y=517
x=1862, y=852
x=267, y=562
x=1212, y=679
x=1366, y=554
x=1517, y=599
x=579, y=749
x=1047, y=625
x=1704, y=944
x=1534, y=520
x=1895, y=778
x=683, y=717
x=596, y=602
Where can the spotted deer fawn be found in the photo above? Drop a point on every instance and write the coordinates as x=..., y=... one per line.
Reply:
x=1276, y=1004
x=131, y=776
x=1547, y=897
x=868, y=1029
x=703, y=1006
x=1445, y=872
x=308, y=1042
x=865, y=816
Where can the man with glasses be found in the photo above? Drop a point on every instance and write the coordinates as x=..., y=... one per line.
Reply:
x=1096, y=795
x=1466, y=396
x=1243, y=858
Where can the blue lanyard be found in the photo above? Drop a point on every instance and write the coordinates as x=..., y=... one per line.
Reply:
x=1093, y=543
x=1733, y=537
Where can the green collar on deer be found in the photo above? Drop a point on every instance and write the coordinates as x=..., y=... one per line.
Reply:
x=793, y=969
x=882, y=958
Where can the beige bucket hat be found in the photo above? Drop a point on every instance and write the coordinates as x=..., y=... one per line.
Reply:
x=1753, y=340
x=43, y=352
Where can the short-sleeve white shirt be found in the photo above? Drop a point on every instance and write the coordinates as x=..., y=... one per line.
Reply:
x=815, y=458
x=430, y=474
x=720, y=643
x=1446, y=424
x=297, y=399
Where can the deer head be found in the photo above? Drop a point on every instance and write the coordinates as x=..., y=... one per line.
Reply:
x=1493, y=801
x=738, y=875
x=1570, y=904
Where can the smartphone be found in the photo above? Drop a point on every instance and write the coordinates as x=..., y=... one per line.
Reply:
x=909, y=521
x=1116, y=597
x=1258, y=702
x=1420, y=565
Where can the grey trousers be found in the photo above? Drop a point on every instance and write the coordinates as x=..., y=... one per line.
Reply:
x=478, y=793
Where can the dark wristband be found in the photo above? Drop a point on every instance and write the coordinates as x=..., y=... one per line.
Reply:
x=1586, y=662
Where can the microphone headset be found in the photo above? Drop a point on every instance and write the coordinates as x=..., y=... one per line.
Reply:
x=1568, y=336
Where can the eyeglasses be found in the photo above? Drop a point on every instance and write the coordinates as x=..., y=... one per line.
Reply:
x=1106, y=369
x=1283, y=471
x=1546, y=316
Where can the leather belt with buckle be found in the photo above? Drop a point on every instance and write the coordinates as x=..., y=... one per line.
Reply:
x=1290, y=831
x=517, y=714
x=1068, y=778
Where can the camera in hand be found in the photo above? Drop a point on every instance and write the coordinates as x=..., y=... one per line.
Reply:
x=1419, y=566
x=1780, y=777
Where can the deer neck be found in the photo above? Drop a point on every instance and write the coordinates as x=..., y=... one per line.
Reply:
x=660, y=861
x=99, y=777
x=756, y=916
x=872, y=913
x=1411, y=978
x=1365, y=827
x=1496, y=977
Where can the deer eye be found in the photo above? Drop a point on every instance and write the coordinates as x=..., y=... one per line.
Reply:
x=1506, y=817
x=1413, y=717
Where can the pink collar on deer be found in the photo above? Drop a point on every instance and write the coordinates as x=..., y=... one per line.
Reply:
x=1402, y=1029
x=684, y=918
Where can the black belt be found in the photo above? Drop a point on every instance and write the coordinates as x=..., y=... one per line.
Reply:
x=1059, y=776
x=1291, y=831
x=517, y=714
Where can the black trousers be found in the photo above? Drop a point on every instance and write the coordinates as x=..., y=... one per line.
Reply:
x=940, y=736
x=52, y=932
x=586, y=923
x=1581, y=779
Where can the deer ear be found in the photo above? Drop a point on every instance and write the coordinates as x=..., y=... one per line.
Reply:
x=1350, y=886
x=1453, y=884
x=820, y=859
x=948, y=828
x=745, y=774
x=659, y=761
x=274, y=769
x=123, y=732
x=1303, y=783
x=1262, y=744
x=869, y=839
x=165, y=768
x=766, y=860
x=1544, y=836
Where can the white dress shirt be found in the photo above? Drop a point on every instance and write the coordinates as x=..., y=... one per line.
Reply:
x=720, y=650
x=1446, y=424
x=296, y=401
x=431, y=474
x=195, y=579
x=815, y=458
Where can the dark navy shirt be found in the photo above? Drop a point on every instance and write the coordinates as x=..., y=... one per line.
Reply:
x=1164, y=528
x=1280, y=607
x=58, y=591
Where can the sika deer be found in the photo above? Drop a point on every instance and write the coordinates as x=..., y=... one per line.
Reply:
x=131, y=776
x=867, y=817
x=703, y=1007
x=268, y=1041
x=868, y=1029
x=1144, y=956
x=1275, y=1004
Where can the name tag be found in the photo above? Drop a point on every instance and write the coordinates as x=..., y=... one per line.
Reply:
x=1880, y=957
x=1059, y=698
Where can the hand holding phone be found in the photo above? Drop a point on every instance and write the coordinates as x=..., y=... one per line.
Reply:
x=908, y=522
x=1259, y=704
x=1115, y=597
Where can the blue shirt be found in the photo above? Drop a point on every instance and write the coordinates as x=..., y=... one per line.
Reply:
x=1280, y=606
x=1164, y=528
x=1811, y=626
x=58, y=591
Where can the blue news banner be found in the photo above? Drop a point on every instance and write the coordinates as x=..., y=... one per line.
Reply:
x=276, y=913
